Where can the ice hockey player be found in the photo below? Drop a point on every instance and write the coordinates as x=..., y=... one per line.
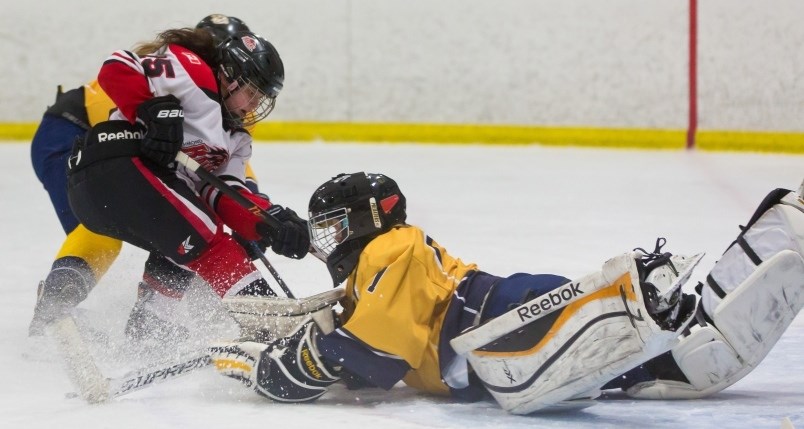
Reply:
x=84, y=256
x=414, y=313
x=193, y=95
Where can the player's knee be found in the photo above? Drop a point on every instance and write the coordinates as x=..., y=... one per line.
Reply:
x=165, y=276
x=225, y=265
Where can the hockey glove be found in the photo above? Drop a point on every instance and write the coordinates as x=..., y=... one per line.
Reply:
x=163, y=118
x=291, y=239
x=254, y=248
x=241, y=220
x=286, y=370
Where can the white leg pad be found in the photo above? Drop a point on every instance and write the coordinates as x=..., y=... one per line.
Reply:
x=553, y=357
x=749, y=323
x=760, y=302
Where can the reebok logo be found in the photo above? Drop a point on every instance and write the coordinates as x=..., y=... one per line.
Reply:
x=311, y=366
x=554, y=299
x=121, y=135
x=170, y=113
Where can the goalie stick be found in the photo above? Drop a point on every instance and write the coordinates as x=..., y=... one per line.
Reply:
x=96, y=388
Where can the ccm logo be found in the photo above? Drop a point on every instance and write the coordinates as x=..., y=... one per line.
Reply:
x=174, y=113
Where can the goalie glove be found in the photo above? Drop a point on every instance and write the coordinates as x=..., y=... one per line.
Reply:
x=289, y=369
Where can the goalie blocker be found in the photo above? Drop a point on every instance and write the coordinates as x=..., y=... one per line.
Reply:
x=748, y=300
x=556, y=350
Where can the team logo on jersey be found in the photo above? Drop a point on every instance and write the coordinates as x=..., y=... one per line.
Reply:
x=185, y=247
x=249, y=42
x=209, y=158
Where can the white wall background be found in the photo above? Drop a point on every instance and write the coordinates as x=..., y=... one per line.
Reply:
x=614, y=63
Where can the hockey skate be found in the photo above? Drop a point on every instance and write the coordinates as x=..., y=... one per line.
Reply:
x=63, y=289
x=661, y=275
x=148, y=325
x=748, y=300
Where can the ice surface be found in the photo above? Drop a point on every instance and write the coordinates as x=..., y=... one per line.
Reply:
x=509, y=209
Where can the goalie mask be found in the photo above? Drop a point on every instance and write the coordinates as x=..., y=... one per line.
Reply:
x=250, y=63
x=222, y=27
x=349, y=211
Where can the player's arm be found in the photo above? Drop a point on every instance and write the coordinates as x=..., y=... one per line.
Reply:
x=123, y=79
x=301, y=366
x=310, y=361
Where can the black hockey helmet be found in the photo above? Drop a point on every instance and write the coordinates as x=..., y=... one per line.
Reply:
x=221, y=26
x=247, y=59
x=347, y=212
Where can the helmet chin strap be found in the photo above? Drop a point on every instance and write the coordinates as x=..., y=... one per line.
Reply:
x=230, y=87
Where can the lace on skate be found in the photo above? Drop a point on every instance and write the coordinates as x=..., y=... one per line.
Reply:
x=663, y=306
x=654, y=259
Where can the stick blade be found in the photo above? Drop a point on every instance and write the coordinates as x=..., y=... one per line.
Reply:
x=78, y=362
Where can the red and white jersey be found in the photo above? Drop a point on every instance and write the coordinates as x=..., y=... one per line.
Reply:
x=129, y=80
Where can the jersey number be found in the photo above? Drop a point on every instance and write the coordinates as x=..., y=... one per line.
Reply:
x=155, y=67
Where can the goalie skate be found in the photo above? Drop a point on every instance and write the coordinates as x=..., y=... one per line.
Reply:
x=748, y=300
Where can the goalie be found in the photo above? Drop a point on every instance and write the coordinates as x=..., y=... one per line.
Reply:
x=414, y=313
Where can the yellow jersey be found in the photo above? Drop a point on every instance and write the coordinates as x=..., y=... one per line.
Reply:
x=397, y=299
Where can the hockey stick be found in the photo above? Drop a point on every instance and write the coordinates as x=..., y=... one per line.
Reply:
x=95, y=388
x=255, y=306
x=92, y=385
x=256, y=248
x=145, y=377
x=192, y=165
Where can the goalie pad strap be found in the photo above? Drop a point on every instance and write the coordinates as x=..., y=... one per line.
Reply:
x=744, y=314
x=749, y=251
x=715, y=287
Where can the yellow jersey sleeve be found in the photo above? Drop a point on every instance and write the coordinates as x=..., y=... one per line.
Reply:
x=397, y=299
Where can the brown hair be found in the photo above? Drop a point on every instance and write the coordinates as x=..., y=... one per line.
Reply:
x=195, y=39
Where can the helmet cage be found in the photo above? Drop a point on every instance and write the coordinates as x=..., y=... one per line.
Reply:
x=265, y=105
x=329, y=229
x=259, y=71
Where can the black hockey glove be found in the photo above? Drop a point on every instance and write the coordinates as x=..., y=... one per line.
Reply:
x=291, y=239
x=288, y=369
x=163, y=118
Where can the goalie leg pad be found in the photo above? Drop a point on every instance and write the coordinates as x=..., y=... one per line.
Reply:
x=558, y=356
x=747, y=305
x=748, y=323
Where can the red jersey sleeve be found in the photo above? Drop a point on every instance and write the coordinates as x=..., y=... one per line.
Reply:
x=122, y=77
